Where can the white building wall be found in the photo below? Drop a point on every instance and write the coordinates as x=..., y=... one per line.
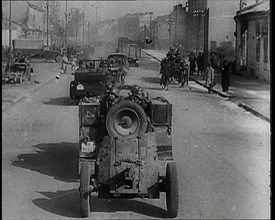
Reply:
x=15, y=34
x=221, y=23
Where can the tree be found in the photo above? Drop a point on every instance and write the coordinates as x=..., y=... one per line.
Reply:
x=57, y=30
x=75, y=20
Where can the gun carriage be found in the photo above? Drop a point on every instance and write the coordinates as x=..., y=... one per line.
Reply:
x=125, y=151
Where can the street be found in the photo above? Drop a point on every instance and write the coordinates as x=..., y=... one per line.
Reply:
x=222, y=154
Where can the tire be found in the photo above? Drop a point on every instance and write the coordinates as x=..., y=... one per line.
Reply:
x=84, y=189
x=127, y=112
x=172, y=196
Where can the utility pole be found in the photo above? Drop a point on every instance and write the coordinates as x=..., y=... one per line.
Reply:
x=66, y=25
x=206, y=31
x=176, y=18
x=47, y=7
x=76, y=32
x=88, y=40
x=83, y=27
x=9, y=35
x=96, y=14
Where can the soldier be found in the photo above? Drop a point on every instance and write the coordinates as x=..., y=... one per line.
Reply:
x=165, y=73
x=112, y=96
x=185, y=72
x=210, y=77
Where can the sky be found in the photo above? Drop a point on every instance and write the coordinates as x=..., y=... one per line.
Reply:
x=115, y=9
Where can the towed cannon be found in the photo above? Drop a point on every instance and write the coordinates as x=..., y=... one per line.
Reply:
x=126, y=148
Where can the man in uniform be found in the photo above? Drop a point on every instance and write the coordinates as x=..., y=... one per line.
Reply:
x=165, y=73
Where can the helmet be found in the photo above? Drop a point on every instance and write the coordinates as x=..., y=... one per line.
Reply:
x=113, y=90
x=137, y=91
x=108, y=87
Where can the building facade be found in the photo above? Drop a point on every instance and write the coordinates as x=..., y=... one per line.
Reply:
x=28, y=21
x=253, y=40
x=184, y=25
x=36, y=28
x=128, y=26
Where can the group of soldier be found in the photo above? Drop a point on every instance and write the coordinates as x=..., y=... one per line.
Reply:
x=174, y=65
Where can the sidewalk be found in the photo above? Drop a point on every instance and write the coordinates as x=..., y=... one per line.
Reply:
x=250, y=94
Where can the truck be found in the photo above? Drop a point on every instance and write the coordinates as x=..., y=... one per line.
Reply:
x=34, y=48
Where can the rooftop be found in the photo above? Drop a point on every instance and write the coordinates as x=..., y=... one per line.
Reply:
x=255, y=8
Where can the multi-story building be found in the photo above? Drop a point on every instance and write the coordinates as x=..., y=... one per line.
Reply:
x=19, y=17
x=128, y=26
x=36, y=22
x=28, y=21
x=134, y=26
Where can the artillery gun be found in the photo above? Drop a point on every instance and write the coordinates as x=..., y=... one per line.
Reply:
x=125, y=148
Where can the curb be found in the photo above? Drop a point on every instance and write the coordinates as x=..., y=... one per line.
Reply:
x=247, y=108
x=242, y=105
x=213, y=90
x=151, y=55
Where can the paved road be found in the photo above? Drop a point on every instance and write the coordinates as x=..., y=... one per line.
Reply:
x=222, y=153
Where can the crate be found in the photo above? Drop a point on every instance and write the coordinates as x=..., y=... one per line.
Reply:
x=89, y=114
x=161, y=112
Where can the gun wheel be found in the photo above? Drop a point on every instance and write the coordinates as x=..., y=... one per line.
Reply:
x=85, y=171
x=172, y=196
x=126, y=119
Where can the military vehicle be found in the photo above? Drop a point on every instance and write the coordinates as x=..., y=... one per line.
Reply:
x=125, y=148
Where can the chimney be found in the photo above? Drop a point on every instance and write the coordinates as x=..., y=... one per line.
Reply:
x=243, y=3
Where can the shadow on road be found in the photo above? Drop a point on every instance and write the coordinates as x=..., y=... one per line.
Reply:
x=149, y=79
x=62, y=203
x=114, y=205
x=66, y=204
x=59, y=160
x=64, y=101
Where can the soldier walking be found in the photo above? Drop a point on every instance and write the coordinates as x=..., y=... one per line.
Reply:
x=165, y=73
x=210, y=77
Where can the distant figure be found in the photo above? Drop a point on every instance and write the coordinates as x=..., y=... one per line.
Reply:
x=65, y=63
x=226, y=69
x=200, y=62
x=185, y=72
x=192, y=60
x=165, y=73
x=210, y=77
x=221, y=57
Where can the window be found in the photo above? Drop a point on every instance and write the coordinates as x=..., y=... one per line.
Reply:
x=258, y=42
x=265, y=40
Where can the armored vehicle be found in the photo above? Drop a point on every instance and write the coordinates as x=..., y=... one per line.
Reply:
x=125, y=147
